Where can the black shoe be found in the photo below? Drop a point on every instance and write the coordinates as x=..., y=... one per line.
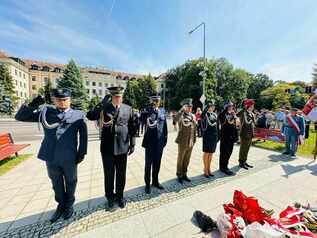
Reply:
x=293, y=155
x=243, y=166
x=57, y=214
x=227, y=172
x=250, y=166
x=180, y=180
x=158, y=186
x=110, y=203
x=121, y=202
x=211, y=175
x=206, y=175
x=68, y=213
x=285, y=153
x=147, y=189
x=186, y=178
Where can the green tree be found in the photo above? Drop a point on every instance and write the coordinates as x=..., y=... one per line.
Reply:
x=259, y=83
x=145, y=88
x=8, y=99
x=129, y=96
x=94, y=101
x=223, y=82
x=46, y=92
x=314, y=74
x=72, y=79
x=276, y=96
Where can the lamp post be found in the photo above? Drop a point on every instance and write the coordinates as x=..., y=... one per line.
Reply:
x=204, y=56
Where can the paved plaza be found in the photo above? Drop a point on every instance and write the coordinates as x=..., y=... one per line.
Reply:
x=27, y=199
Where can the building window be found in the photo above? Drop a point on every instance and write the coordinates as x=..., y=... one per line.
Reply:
x=56, y=81
x=21, y=94
x=112, y=85
x=24, y=75
x=34, y=67
x=100, y=92
x=21, y=84
x=17, y=93
x=57, y=70
x=24, y=84
x=88, y=91
x=46, y=68
x=46, y=80
x=94, y=91
x=33, y=87
x=100, y=84
x=87, y=83
x=33, y=78
x=25, y=95
x=162, y=85
x=106, y=92
x=20, y=74
x=106, y=85
x=16, y=72
x=93, y=83
x=16, y=82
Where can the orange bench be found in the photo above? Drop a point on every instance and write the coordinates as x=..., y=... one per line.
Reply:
x=268, y=134
x=7, y=146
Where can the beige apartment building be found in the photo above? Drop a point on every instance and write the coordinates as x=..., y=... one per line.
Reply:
x=20, y=75
x=31, y=75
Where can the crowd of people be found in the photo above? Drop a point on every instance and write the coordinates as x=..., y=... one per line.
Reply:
x=66, y=139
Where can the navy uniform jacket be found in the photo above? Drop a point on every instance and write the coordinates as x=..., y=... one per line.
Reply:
x=115, y=138
x=66, y=146
x=156, y=136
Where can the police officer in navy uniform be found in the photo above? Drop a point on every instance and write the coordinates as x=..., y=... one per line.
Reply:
x=59, y=149
x=117, y=142
x=154, y=141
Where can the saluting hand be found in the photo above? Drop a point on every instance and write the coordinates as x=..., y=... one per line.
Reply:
x=131, y=149
x=79, y=158
x=37, y=101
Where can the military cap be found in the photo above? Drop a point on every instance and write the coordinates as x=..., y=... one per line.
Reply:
x=187, y=102
x=116, y=90
x=228, y=104
x=155, y=98
x=210, y=103
x=61, y=93
x=248, y=102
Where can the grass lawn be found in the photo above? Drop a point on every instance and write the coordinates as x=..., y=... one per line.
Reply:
x=9, y=163
x=305, y=150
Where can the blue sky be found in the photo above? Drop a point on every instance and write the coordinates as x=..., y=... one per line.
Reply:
x=277, y=37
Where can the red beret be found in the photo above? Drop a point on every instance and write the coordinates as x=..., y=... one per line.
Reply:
x=248, y=102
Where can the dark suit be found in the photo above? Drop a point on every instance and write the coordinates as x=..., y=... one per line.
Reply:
x=60, y=148
x=154, y=141
x=116, y=138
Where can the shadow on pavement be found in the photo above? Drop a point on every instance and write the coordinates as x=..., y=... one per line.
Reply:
x=137, y=202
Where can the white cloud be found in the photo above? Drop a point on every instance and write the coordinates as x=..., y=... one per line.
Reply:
x=289, y=72
x=47, y=39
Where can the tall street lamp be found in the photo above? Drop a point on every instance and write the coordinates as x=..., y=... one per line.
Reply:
x=203, y=74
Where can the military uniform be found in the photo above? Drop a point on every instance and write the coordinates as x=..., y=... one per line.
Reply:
x=228, y=136
x=154, y=141
x=247, y=124
x=117, y=139
x=185, y=139
x=59, y=149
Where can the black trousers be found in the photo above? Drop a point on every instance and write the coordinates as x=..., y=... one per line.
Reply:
x=153, y=158
x=114, y=168
x=63, y=176
x=226, y=148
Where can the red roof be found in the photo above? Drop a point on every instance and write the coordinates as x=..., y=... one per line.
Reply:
x=29, y=62
x=3, y=55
